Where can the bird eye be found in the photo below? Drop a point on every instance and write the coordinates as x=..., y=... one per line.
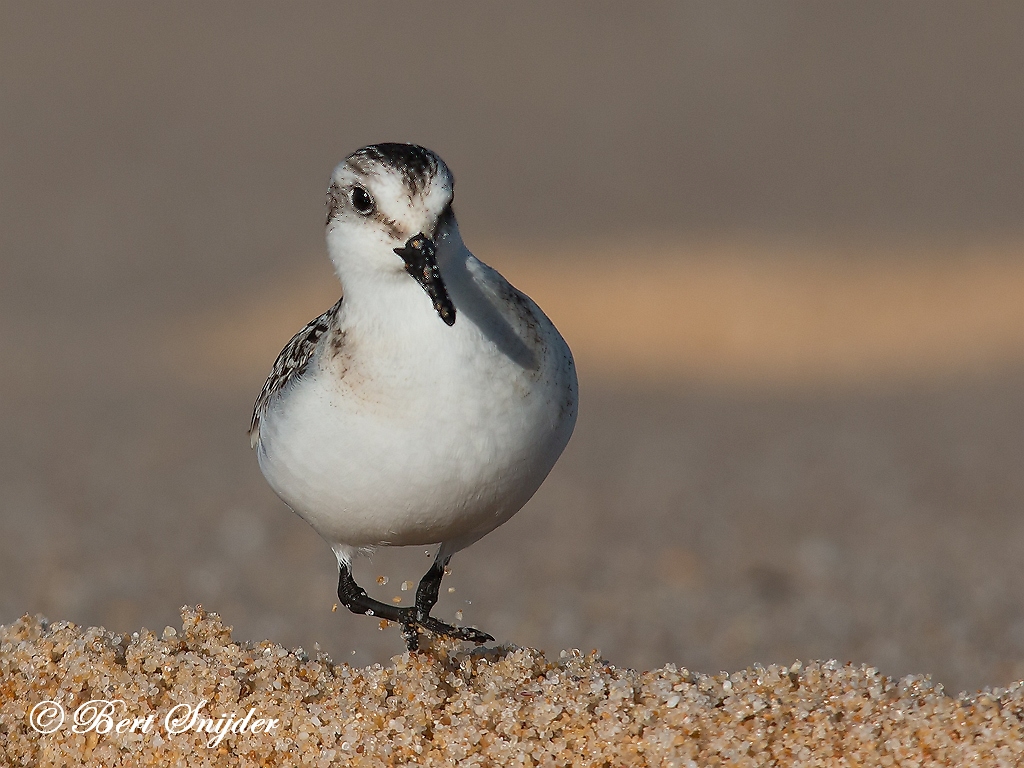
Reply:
x=361, y=200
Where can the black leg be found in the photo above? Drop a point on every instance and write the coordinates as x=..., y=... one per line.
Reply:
x=411, y=620
x=354, y=598
x=426, y=599
x=430, y=585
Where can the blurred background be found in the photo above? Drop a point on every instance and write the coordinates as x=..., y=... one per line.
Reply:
x=784, y=241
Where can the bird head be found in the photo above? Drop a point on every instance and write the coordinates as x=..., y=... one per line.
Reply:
x=389, y=209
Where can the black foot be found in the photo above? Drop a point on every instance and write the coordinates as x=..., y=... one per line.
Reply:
x=412, y=620
x=411, y=631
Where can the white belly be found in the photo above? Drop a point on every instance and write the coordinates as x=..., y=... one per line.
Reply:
x=423, y=444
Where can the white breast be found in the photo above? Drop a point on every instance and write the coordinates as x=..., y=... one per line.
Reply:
x=413, y=432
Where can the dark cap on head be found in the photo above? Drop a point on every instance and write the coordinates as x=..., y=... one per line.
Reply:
x=416, y=164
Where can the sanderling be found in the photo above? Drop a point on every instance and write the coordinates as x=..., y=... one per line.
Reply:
x=426, y=406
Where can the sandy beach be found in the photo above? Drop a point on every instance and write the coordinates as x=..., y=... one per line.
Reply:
x=193, y=696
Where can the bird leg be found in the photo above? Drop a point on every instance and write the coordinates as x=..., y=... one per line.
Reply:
x=412, y=620
x=426, y=599
x=354, y=598
x=430, y=585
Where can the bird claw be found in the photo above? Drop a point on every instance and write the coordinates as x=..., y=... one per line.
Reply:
x=411, y=631
x=475, y=636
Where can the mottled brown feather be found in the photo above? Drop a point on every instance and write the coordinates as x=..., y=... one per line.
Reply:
x=292, y=361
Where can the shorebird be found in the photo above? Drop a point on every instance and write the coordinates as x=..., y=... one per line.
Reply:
x=429, y=403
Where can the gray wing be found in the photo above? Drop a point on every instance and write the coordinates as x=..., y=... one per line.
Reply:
x=291, y=363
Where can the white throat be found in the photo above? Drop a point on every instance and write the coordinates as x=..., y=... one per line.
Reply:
x=379, y=293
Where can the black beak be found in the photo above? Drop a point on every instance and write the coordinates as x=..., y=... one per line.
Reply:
x=420, y=262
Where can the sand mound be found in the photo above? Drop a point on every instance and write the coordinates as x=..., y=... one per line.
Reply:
x=196, y=698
